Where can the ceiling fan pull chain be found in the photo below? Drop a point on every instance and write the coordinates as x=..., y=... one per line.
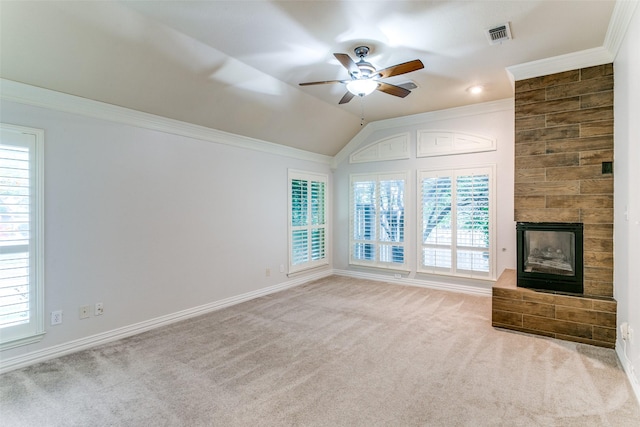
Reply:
x=362, y=111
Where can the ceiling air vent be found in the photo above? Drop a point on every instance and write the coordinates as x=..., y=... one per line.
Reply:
x=499, y=33
x=410, y=85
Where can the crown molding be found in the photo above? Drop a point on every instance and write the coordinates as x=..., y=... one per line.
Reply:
x=618, y=24
x=39, y=97
x=558, y=64
x=419, y=119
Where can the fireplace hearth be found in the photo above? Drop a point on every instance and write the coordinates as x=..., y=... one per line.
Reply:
x=550, y=256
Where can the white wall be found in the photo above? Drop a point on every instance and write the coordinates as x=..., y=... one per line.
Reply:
x=151, y=223
x=494, y=120
x=627, y=195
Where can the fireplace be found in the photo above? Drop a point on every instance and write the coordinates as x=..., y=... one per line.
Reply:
x=550, y=256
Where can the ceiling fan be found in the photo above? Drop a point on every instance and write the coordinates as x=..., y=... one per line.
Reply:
x=365, y=78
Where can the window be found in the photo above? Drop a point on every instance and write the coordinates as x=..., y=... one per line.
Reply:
x=456, y=225
x=377, y=220
x=21, y=236
x=307, y=220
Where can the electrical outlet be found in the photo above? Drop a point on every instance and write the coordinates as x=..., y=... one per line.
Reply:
x=56, y=317
x=267, y=272
x=85, y=311
x=625, y=331
x=99, y=309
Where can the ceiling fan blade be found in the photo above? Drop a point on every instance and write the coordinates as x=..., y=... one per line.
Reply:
x=347, y=62
x=324, y=82
x=405, y=67
x=346, y=98
x=393, y=89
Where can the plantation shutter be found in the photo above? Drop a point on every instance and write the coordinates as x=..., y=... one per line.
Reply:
x=472, y=242
x=391, y=220
x=299, y=212
x=455, y=220
x=377, y=221
x=436, y=222
x=307, y=220
x=21, y=317
x=318, y=220
x=363, y=220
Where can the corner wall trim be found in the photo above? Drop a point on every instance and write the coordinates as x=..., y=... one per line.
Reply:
x=25, y=360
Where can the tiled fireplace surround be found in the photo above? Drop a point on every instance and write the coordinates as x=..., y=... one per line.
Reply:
x=563, y=134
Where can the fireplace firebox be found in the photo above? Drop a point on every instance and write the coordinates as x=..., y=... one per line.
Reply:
x=550, y=256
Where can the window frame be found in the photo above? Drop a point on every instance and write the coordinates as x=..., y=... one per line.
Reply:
x=310, y=263
x=34, y=330
x=453, y=271
x=377, y=262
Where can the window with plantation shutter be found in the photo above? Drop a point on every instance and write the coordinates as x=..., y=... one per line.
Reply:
x=307, y=220
x=21, y=233
x=377, y=220
x=456, y=225
x=436, y=222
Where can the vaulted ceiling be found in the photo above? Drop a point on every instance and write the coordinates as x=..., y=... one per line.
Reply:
x=236, y=66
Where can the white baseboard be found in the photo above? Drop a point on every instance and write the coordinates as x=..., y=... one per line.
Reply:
x=127, y=331
x=467, y=289
x=628, y=369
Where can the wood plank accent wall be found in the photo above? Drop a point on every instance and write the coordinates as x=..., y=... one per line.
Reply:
x=589, y=320
x=563, y=133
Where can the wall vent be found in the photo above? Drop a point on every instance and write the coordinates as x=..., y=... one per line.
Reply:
x=499, y=33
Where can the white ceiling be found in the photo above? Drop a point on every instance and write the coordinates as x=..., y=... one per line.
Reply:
x=235, y=65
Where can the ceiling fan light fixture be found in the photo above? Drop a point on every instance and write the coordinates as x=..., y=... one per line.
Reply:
x=365, y=78
x=362, y=87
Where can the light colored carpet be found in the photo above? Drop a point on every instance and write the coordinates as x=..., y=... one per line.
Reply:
x=335, y=352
